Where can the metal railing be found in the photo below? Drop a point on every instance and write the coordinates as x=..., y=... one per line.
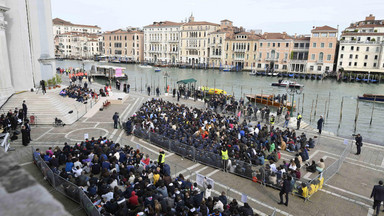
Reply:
x=317, y=183
x=65, y=187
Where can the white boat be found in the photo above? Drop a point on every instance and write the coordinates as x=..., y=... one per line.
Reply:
x=284, y=83
x=145, y=66
x=275, y=74
x=109, y=72
x=253, y=73
x=103, y=61
x=157, y=69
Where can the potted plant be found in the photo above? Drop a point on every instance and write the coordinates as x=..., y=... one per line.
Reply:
x=53, y=82
x=58, y=80
x=49, y=83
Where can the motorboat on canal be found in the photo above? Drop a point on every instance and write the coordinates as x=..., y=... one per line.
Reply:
x=145, y=66
x=253, y=73
x=372, y=98
x=157, y=69
x=284, y=83
x=109, y=72
x=268, y=100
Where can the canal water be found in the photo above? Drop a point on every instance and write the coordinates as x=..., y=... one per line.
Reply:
x=329, y=92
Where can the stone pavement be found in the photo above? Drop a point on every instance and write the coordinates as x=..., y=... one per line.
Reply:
x=347, y=193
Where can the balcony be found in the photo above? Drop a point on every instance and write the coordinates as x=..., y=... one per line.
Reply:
x=320, y=61
x=216, y=56
x=272, y=59
x=297, y=61
x=303, y=49
x=239, y=50
x=360, y=42
x=155, y=51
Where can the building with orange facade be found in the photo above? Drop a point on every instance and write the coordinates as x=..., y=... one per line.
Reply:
x=124, y=45
x=322, y=50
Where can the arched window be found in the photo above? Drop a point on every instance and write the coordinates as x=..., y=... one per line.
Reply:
x=273, y=54
x=321, y=55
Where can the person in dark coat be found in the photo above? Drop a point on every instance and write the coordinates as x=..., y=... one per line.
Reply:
x=42, y=83
x=359, y=143
x=320, y=123
x=115, y=120
x=285, y=189
x=24, y=136
x=25, y=110
x=378, y=196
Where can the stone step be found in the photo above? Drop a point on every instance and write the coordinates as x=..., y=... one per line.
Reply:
x=47, y=107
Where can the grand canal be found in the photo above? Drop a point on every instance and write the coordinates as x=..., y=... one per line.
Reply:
x=329, y=92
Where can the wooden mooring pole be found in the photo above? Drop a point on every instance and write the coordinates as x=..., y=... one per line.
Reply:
x=373, y=108
x=310, y=118
x=356, y=116
x=317, y=97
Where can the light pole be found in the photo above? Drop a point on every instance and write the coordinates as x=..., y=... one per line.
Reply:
x=292, y=91
x=166, y=82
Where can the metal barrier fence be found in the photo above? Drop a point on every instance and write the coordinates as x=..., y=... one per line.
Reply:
x=212, y=159
x=65, y=187
x=317, y=183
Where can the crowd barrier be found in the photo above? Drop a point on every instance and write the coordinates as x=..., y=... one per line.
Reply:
x=240, y=167
x=65, y=187
x=317, y=183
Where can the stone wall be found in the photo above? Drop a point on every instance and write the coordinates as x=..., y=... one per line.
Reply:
x=20, y=194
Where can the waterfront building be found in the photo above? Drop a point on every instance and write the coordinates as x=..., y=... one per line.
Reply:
x=322, y=50
x=124, y=45
x=274, y=52
x=361, y=47
x=26, y=45
x=241, y=50
x=61, y=26
x=194, y=41
x=76, y=45
x=299, y=56
x=162, y=42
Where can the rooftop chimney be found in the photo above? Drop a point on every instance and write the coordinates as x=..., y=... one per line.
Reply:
x=370, y=17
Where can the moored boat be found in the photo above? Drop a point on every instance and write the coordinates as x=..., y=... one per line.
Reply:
x=157, y=69
x=253, y=73
x=284, y=83
x=268, y=100
x=372, y=97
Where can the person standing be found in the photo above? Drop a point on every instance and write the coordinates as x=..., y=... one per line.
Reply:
x=149, y=90
x=43, y=90
x=128, y=87
x=115, y=120
x=378, y=196
x=359, y=143
x=287, y=118
x=320, y=123
x=28, y=129
x=161, y=159
x=224, y=158
x=285, y=189
x=24, y=136
x=118, y=85
x=25, y=110
x=157, y=91
x=299, y=117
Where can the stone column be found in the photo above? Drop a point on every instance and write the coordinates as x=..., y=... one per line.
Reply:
x=6, y=88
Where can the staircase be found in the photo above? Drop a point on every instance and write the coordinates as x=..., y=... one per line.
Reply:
x=46, y=107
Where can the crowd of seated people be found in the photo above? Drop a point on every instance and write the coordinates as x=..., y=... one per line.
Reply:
x=210, y=131
x=120, y=180
x=81, y=94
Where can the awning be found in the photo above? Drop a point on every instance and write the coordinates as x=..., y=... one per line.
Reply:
x=186, y=81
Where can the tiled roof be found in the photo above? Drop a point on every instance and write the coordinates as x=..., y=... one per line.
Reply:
x=324, y=28
x=120, y=31
x=58, y=21
x=362, y=33
x=272, y=36
x=367, y=26
x=163, y=23
x=303, y=38
x=200, y=23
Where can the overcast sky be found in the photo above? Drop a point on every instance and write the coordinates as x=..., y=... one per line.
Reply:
x=292, y=16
